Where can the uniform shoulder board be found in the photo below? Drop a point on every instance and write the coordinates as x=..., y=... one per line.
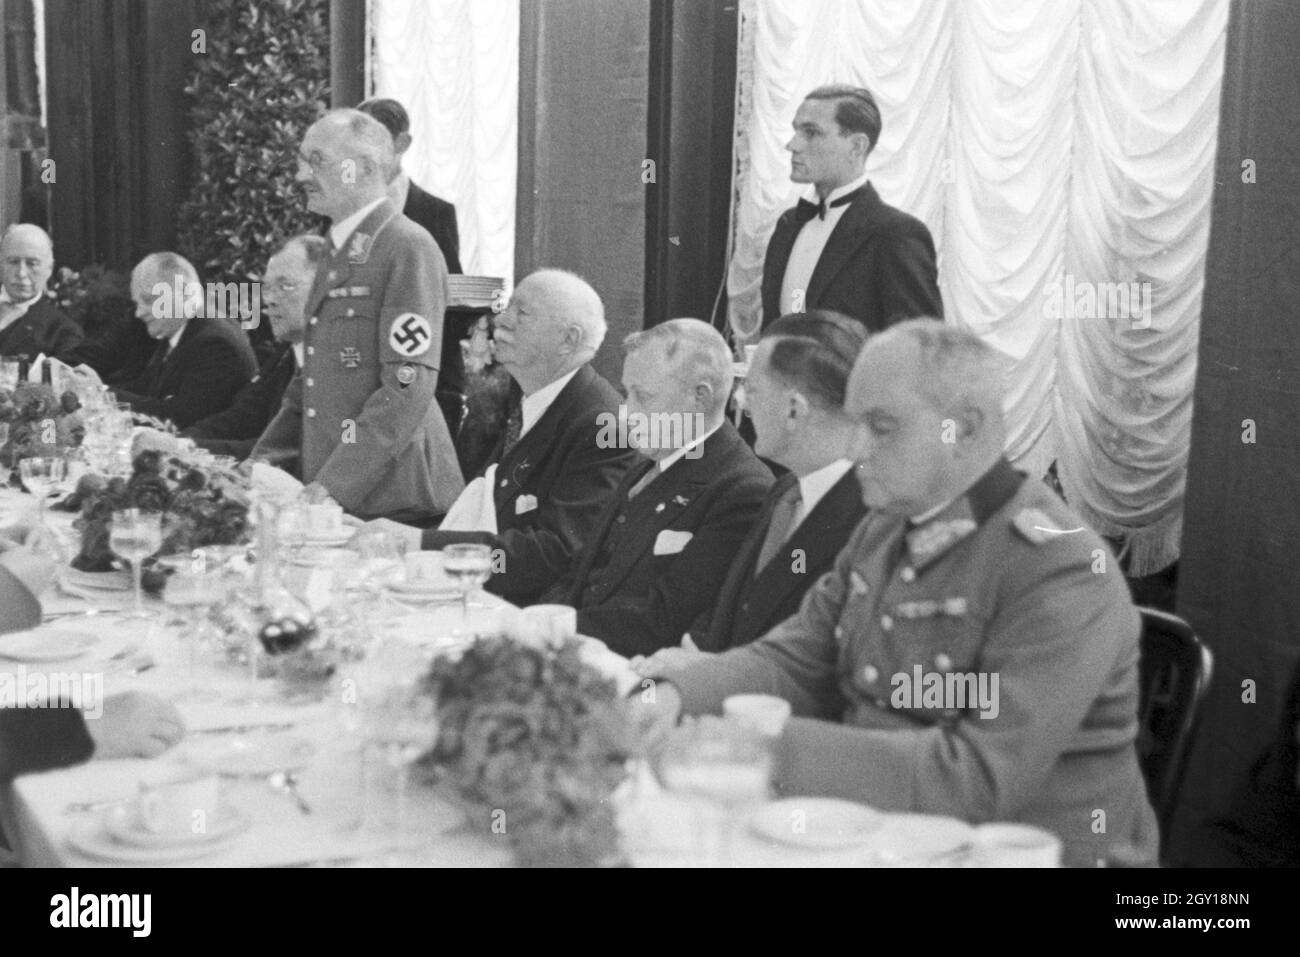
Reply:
x=1036, y=526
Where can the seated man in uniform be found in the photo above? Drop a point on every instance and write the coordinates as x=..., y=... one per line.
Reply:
x=974, y=652
x=659, y=552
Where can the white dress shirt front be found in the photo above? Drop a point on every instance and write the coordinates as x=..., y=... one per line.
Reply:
x=808, y=247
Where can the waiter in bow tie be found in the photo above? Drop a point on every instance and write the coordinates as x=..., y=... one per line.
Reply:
x=842, y=248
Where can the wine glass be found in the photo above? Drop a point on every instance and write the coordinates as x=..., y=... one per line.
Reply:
x=134, y=535
x=193, y=587
x=471, y=566
x=723, y=761
x=42, y=476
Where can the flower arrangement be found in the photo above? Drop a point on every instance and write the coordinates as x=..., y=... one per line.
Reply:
x=532, y=740
x=201, y=507
x=40, y=422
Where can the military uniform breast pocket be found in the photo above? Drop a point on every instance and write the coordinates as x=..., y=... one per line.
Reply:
x=941, y=634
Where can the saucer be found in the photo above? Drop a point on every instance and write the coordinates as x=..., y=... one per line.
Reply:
x=46, y=645
x=817, y=822
x=125, y=825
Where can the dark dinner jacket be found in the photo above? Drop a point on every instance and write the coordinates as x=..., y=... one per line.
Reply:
x=636, y=601
x=42, y=329
x=878, y=266
x=202, y=375
x=439, y=217
x=550, y=489
x=750, y=606
x=235, y=430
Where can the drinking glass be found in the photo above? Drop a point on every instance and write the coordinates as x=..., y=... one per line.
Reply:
x=723, y=761
x=471, y=566
x=193, y=587
x=134, y=535
x=42, y=476
x=9, y=373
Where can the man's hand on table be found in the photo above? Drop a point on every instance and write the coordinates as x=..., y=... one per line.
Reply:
x=403, y=534
x=666, y=659
x=26, y=551
x=135, y=725
x=655, y=706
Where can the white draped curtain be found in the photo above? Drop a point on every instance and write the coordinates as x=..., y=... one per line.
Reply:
x=454, y=65
x=1054, y=150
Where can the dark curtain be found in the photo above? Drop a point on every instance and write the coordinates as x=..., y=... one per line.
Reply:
x=1239, y=582
x=690, y=131
x=582, y=138
x=116, y=71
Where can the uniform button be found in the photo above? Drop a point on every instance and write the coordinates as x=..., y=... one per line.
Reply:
x=314, y=320
x=886, y=622
x=311, y=350
x=310, y=383
x=311, y=413
x=503, y=482
x=870, y=674
x=942, y=661
x=839, y=632
x=352, y=312
x=621, y=519
x=333, y=275
x=908, y=574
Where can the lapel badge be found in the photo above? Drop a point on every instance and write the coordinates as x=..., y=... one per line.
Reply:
x=359, y=247
x=351, y=358
x=681, y=500
x=406, y=375
x=659, y=507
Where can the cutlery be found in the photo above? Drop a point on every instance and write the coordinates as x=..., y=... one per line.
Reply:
x=85, y=807
x=246, y=728
x=288, y=783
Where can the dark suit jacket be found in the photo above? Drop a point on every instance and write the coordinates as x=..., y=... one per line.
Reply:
x=235, y=430
x=439, y=217
x=117, y=344
x=636, y=601
x=878, y=266
x=550, y=489
x=750, y=606
x=43, y=328
x=212, y=361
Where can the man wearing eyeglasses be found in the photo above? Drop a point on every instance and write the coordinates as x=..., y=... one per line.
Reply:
x=285, y=286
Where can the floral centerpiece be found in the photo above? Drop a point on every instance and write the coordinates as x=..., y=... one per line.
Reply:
x=201, y=506
x=532, y=741
x=40, y=422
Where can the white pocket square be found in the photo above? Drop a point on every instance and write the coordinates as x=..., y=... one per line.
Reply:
x=525, y=503
x=670, y=542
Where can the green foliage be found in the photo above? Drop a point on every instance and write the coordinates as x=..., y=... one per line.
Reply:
x=263, y=80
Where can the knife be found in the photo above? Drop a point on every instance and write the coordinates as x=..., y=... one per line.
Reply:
x=246, y=728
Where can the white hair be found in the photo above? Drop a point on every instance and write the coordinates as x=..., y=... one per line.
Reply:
x=571, y=299
x=701, y=353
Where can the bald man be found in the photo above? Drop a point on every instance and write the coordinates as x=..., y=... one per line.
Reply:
x=360, y=419
x=553, y=474
x=30, y=322
x=200, y=363
x=974, y=651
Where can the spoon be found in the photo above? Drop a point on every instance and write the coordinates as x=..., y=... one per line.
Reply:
x=288, y=783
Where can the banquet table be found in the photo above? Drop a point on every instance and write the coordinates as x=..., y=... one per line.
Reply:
x=52, y=819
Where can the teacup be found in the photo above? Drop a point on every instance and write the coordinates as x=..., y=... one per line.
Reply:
x=764, y=713
x=1016, y=845
x=181, y=803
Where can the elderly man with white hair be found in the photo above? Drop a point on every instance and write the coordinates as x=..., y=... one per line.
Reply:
x=974, y=651
x=360, y=419
x=200, y=363
x=551, y=473
x=666, y=538
x=30, y=322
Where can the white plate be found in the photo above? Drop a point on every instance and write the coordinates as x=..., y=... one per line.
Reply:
x=123, y=824
x=331, y=539
x=90, y=838
x=253, y=755
x=46, y=645
x=119, y=580
x=913, y=840
x=320, y=557
x=431, y=591
x=817, y=822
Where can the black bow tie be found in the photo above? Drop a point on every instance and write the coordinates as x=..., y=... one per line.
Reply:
x=806, y=210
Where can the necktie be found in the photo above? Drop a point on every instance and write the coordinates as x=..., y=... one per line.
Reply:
x=780, y=526
x=806, y=210
x=514, y=425
x=651, y=474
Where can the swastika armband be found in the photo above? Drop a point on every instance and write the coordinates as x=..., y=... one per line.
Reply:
x=410, y=335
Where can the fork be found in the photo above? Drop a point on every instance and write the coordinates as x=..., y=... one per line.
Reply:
x=288, y=783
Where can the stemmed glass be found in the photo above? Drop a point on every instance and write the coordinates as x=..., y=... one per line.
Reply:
x=723, y=761
x=135, y=535
x=42, y=476
x=471, y=566
x=193, y=587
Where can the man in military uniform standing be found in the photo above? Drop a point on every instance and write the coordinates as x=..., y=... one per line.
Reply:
x=360, y=419
x=974, y=651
